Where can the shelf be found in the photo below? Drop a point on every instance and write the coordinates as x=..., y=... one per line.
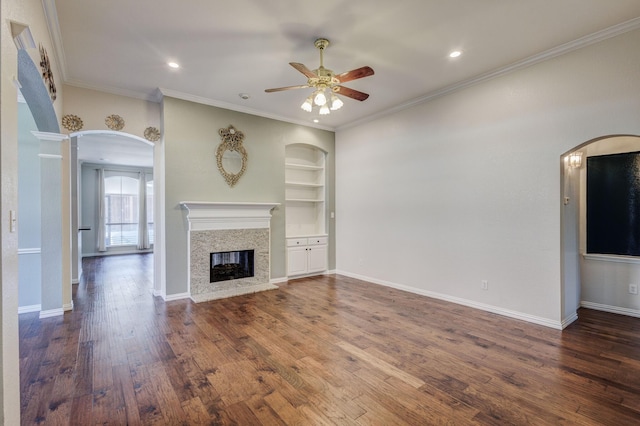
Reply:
x=306, y=236
x=304, y=184
x=303, y=200
x=303, y=167
x=305, y=190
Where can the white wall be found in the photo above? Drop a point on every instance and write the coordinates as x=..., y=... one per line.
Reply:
x=605, y=281
x=467, y=187
x=29, y=291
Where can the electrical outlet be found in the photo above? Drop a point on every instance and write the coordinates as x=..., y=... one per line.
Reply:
x=484, y=284
x=633, y=288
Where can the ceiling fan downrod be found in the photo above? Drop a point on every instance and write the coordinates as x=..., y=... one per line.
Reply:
x=321, y=44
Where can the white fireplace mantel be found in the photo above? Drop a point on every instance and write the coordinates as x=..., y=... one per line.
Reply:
x=227, y=226
x=204, y=215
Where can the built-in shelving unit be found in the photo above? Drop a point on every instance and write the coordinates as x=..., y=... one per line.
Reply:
x=305, y=194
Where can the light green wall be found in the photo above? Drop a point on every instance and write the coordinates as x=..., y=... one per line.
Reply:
x=190, y=140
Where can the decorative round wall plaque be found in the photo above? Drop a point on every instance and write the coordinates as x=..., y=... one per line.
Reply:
x=151, y=134
x=231, y=156
x=114, y=122
x=72, y=123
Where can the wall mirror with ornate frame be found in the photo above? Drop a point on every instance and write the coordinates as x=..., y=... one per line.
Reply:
x=231, y=157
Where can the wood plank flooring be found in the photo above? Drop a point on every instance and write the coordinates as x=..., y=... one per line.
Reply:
x=320, y=351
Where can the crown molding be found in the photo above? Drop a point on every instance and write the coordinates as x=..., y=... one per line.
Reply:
x=238, y=108
x=51, y=16
x=562, y=49
x=113, y=90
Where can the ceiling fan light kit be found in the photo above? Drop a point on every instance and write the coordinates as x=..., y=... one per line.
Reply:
x=324, y=80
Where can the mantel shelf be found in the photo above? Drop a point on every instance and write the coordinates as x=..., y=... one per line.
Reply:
x=302, y=167
x=303, y=200
x=304, y=184
x=203, y=215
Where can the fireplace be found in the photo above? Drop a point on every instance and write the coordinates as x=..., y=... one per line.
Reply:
x=228, y=249
x=231, y=265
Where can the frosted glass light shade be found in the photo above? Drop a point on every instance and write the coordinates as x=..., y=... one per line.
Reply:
x=336, y=103
x=320, y=98
x=307, y=104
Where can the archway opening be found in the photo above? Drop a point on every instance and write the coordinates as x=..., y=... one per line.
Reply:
x=114, y=206
x=593, y=280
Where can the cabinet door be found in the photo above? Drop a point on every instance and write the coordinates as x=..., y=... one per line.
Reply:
x=296, y=260
x=317, y=258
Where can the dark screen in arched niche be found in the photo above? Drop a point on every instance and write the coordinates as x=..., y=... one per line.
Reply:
x=613, y=204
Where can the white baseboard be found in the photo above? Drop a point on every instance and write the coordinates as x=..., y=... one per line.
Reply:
x=28, y=309
x=116, y=253
x=612, y=309
x=156, y=293
x=465, y=302
x=51, y=313
x=314, y=274
x=233, y=292
x=75, y=281
x=278, y=280
x=67, y=306
x=177, y=296
x=570, y=319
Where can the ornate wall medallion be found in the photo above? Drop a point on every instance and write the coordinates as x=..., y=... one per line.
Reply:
x=151, y=134
x=231, y=156
x=47, y=74
x=72, y=123
x=114, y=122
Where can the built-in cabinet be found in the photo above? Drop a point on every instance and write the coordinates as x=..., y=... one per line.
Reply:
x=305, y=183
x=306, y=255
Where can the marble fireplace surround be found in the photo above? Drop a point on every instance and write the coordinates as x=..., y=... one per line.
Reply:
x=226, y=226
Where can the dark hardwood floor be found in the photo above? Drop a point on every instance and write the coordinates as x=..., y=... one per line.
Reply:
x=321, y=351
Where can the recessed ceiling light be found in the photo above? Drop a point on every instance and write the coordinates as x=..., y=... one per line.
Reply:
x=455, y=54
x=244, y=96
x=173, y=64
x=315, y=120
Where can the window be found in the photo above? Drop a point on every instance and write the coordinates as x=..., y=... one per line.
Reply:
x=121, y=210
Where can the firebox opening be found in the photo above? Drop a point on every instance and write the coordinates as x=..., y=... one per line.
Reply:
x=231, y=265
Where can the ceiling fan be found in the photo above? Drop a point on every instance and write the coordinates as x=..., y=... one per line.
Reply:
x=323, y=79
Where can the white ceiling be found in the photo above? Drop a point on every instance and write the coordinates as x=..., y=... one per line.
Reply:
x=244, y=46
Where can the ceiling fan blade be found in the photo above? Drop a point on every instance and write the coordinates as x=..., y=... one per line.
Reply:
x=351, y=93
x=303, y=69
x=280, y=89
x=355, y=74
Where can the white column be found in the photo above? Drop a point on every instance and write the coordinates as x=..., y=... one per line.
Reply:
x=56, y=223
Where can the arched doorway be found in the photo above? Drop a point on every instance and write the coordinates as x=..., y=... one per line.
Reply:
x=120, y=158
x=592, y=280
